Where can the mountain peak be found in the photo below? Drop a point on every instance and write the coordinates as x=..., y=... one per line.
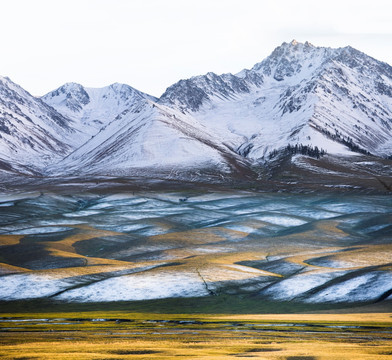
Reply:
x=296, y=43
x=70, y=87
x=293, y=58
x=72, y=94
x=119, y=89
x=4, y=78
x=294, y=46
x=117, y=85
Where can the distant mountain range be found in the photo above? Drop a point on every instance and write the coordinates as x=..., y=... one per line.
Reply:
x=301, y=101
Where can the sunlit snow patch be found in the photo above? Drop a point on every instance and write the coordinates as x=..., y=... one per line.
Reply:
x=7, y=204
x=29, y=286
x=242, y=228
x=366, y=287
x=281, y=220
x=352, y=207
x=69, y=222
x=7, y=197
x=39, y=230
x=82, y=213
x=295, y=286
x=312, y=213
x=139, y=287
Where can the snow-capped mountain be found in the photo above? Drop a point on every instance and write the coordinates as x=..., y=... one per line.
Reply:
x=299, y=97
x=336, y=99
x=32, y=134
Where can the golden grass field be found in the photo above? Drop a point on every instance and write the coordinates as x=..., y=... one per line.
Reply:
x=84, y=335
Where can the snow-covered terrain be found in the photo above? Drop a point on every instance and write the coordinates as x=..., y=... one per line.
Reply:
x=125, y=247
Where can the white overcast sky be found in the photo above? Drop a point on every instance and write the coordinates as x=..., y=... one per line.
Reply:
x=150, y=44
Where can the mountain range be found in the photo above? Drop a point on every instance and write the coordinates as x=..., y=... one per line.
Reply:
x=302, y=110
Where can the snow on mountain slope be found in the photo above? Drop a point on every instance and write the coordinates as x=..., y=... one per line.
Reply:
x=336, y=99
x=93, y=108
x=150, y=136
x=32, y=134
